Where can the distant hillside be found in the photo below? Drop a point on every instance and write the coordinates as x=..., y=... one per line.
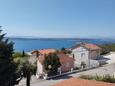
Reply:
x=106, y=48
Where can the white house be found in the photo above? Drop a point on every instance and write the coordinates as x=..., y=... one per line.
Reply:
x=85, y=53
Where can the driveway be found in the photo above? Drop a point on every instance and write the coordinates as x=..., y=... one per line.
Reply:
x=111, y=57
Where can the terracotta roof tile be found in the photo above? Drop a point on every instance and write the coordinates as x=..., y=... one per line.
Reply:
x=88, y=46
x=64, y=58
x=46, y=51
x=82, y=82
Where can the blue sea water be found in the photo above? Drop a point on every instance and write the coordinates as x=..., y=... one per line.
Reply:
x=21, y=44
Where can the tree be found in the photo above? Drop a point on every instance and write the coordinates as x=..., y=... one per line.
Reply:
x=23, y=53
x=65, y=51
x=25, y=69
x=28, y=70
x=105, y=49
x=51, y=63
x=8, y=74
x=83, y=65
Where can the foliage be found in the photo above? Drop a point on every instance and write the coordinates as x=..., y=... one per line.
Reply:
x=27, y=70
x=65, y=51
x=23, y=53
x=107, y=48
x=83, y=64
x=24, y=68
x=19, y=55
x=106, y=78
x=8, y=73
x=51, y=63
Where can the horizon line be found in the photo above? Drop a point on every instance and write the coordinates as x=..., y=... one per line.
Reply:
x=31, y=37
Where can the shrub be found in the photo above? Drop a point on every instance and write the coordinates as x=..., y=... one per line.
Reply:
x=107, y=48
x=106, y=78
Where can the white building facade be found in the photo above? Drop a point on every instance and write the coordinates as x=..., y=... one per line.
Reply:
x=85, y=53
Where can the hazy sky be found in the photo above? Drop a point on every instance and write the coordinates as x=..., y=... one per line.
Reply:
x=58, y=18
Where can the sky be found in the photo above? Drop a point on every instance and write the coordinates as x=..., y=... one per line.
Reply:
x=58, y=18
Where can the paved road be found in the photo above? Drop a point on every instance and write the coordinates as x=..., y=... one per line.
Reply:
x=107, y=69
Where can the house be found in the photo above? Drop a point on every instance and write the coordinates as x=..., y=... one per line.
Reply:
x=85, y=53
x=67, y=63
x=82, y=82
x=42, y=52
x=40, y=56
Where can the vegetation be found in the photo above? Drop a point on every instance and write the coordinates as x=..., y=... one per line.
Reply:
x=27, y=71
x=19, y=55
x=107, y=48
x=8, y=69
x=83, y=64
x=13, y=66
x=24, y=68
x=106, y=78
x=65, y=51
x=51, y=64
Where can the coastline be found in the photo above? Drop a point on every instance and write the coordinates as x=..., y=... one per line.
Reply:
x=29, y=44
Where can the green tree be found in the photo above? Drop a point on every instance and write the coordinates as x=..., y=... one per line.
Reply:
x=28, y=70
x=8, y=73
x=105, y=49
x=65, y=51
x=51, y=63
x=25, y=69
x=23, y=53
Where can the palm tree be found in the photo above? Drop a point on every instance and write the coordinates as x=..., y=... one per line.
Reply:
x=25, y=68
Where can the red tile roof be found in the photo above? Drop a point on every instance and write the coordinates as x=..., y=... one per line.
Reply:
x=64, y=58
x=82, y=82
x=87, y=46
x=44, y=51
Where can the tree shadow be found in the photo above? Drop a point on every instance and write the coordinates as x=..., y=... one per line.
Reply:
x=102, y=60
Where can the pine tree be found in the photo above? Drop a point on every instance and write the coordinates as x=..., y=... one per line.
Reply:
x=23, y=53
x=8, y=76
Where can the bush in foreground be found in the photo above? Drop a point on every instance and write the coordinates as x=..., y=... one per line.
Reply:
x=106, y=78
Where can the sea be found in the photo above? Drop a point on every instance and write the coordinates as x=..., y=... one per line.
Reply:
x=29, y=44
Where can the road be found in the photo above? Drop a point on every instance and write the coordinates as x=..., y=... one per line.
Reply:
x=106, y=69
